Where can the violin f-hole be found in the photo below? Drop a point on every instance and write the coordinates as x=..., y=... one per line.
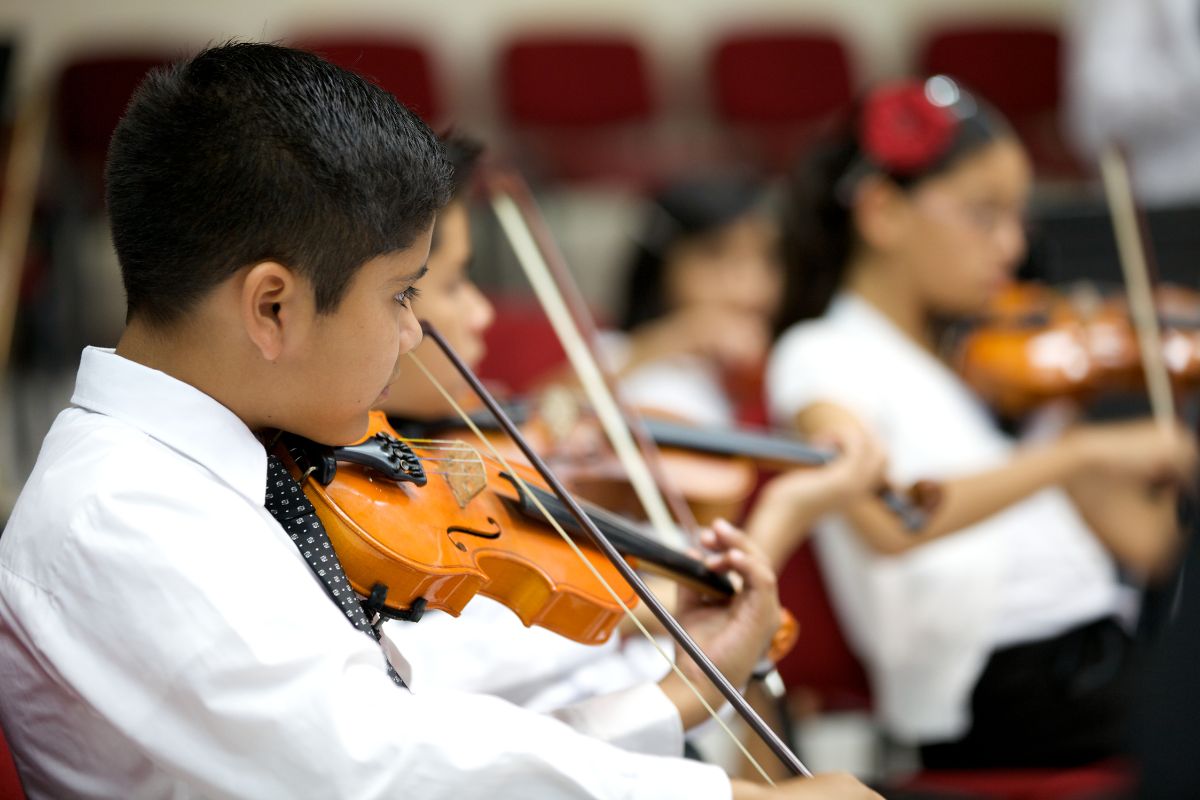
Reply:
x=453, y=529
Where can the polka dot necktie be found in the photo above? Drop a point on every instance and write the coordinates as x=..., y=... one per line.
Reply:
x=292, y=510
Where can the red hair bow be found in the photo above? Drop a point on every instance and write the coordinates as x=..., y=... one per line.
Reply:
x=902, y=131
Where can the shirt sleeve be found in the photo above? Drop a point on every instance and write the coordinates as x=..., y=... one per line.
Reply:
x=596, y=689
x=215, y=651
x=809, y=366
x=640, y=719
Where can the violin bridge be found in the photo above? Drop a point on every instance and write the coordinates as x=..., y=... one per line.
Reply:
x=468, y=477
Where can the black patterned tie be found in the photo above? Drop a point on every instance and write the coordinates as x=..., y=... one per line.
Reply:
x=292, y=510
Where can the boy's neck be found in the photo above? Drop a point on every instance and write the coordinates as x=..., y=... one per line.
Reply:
x=173, y=351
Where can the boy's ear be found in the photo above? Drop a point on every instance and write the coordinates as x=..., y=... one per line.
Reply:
x=272, y=303
x=880, y=212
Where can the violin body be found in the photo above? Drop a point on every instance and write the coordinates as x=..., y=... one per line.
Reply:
x=437, y=543
x=1037, y=344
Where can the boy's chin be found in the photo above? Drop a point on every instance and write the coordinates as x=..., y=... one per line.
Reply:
x=339, y=433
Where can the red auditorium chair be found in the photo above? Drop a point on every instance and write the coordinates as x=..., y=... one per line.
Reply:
x=10, y=781
x=522, y=348
x=773, y=89
x=581, y=106
x=823, y=663
x=401, y=66
x=1105, y=781
x=1017, y=68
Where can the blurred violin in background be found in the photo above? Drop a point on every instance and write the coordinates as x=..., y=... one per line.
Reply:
x=1037, y=343
x=716, y=468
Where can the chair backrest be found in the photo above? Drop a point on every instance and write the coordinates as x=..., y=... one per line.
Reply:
x=774, y=91
x=521, y=345
x=779, y=77
x=1016, y=67
x=822, y=661
x=401, y=66
x=574, y=80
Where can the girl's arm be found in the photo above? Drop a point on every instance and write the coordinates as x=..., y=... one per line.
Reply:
x=1129, y=454
x=790, y=503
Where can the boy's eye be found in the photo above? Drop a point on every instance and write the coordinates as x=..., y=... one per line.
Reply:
x=408, y=295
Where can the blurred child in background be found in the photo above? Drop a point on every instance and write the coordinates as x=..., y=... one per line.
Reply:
x=991, y=636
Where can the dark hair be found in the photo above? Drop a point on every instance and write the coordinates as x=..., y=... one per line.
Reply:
x=686, y=209
x=464, y=154
x=818, y=237
x=251, y=152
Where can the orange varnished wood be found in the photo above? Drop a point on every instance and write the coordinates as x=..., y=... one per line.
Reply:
x=1037, y=344
x=410, y=539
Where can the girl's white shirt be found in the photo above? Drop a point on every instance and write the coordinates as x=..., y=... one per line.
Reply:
x=925, y=622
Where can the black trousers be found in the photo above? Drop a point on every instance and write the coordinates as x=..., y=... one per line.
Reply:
x=1056, y=702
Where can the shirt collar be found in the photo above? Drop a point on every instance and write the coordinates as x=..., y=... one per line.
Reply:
x=858, y=314
x=849, y=307
x=175, y=413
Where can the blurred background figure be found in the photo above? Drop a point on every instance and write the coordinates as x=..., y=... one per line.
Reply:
x=702, y=290
x=1134, y=79
x=911, y=215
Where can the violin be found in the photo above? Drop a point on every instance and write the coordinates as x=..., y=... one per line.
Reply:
x=712, y=483
x=425, y=523
x=1037, y=344
x=715, y=468
x=405, y=563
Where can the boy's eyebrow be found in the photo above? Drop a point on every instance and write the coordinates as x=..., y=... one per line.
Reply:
x=413, y=277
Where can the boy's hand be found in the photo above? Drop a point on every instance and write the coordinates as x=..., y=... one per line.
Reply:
x=827, y=786
x=736, y=634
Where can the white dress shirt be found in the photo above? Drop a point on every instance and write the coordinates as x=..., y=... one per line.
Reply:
x=1133, y=77
x=542, y=671
x=925, y=621
x=160, y=636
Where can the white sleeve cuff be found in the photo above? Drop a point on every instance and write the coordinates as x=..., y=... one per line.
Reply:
x=640, y=719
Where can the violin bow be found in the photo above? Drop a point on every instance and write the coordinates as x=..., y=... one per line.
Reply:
x=559, y=295
x=572, y=321
x=600, y=541
x=1132, y=247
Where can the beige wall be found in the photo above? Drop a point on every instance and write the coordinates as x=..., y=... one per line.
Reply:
x=463, y=33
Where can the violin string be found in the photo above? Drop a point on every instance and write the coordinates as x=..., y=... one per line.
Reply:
x=594, y=570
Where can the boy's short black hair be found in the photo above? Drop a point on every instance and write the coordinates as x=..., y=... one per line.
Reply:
x=253, y=152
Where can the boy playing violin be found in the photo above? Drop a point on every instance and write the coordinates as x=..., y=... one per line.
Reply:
x=166, y=627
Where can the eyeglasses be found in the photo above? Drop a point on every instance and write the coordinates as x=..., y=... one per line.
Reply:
x=984, y=217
